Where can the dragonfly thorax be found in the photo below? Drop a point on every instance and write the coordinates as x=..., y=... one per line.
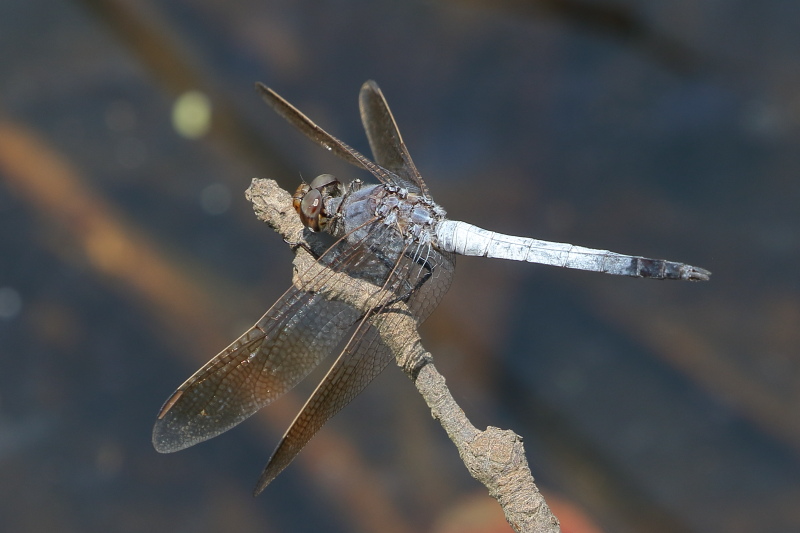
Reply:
x=411, y=215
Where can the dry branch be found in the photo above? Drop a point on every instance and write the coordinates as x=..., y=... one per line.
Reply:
x=494, y=457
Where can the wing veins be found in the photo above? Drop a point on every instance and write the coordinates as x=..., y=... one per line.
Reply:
x=314, y=132
x=350, y=356
x=226, y=366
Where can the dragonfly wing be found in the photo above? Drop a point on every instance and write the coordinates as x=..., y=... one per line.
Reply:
x=417, y=285
x=385, y=140
x=311, y=130
x=290, y=340
x=264, y=363
x=350, y=374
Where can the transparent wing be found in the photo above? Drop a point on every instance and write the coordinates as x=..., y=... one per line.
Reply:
x=385, y=140
x=419, y=283
x=351, y=373
x=308, y=322
x=323, y=138
x=290, y=340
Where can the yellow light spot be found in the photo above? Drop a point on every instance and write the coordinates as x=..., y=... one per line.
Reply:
x=191, y=114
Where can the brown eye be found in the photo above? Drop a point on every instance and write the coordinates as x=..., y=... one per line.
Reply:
x=310, y=209
x=297, y=197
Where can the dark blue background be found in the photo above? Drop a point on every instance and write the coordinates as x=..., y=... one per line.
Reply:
x=665, y=129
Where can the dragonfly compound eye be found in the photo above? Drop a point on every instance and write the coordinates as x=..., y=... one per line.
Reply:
x=311, y=210
x=298, y=195
x=323, y=180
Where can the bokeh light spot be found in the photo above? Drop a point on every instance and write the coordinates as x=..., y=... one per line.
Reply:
x=191, y=114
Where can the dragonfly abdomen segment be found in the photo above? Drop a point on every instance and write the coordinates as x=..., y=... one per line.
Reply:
x=465, y=239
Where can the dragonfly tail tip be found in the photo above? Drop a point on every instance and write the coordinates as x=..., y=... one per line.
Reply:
x=698, y=274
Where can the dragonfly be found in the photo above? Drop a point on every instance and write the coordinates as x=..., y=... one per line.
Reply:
x=390, y=238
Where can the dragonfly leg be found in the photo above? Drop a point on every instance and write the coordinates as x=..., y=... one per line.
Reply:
x=314, y=251
x=425, y=264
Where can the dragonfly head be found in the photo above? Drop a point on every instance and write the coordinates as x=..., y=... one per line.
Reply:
x=309, y=201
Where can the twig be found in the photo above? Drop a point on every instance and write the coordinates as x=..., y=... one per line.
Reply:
x=494, y=457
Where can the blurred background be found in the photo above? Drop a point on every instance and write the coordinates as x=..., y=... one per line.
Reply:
x=129, y=256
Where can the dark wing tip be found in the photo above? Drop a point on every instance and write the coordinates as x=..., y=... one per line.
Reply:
x=163, y=442
x=168, y=439
x=368, y=91
x=284, y=454
x=371, y=85
x=169, y=436
x=267, y=476
x=266, y=93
